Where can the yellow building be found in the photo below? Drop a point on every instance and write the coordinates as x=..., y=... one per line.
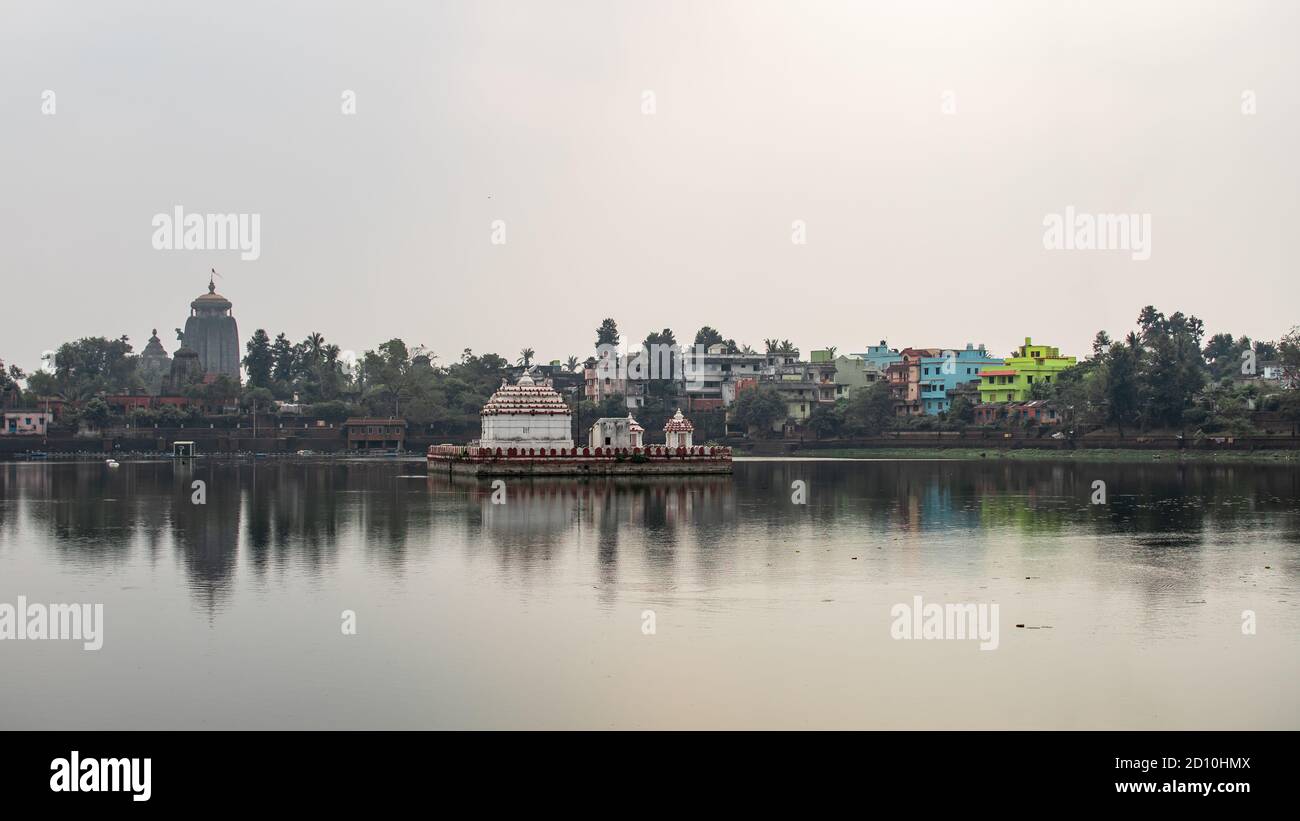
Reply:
x=1013, y=380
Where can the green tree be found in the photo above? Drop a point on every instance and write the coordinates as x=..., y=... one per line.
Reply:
x=869, y=410
x=1121, y=392
x=826, y=421
x=259, y=361
x=759, y=409
x=96, y=412
x=285, y=359
x=708, y=337
x=607, y=333
x=93, y=365
x=962, y=410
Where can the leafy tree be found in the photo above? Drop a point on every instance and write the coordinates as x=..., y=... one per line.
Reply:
x=708, y=337
x=607, y=333
x=96, y=412
x=826, y=421
x=869, y=410
x=1121, y=385
x=1100, y=344
x=962, y=410
x=759, y=409
x=259, y=361
x=285, y=359
x=1170, y=369
x=93, y=365
x=1288, y=349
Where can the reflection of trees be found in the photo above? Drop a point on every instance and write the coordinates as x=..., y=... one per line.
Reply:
x=297, y=517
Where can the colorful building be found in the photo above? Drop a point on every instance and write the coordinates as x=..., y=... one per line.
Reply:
x=880, y=356
x=1015, y=379
x=938, y=375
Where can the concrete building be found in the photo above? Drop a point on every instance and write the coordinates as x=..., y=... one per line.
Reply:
x=904, y=377
x=1015, y=379
x=881, y=356
x=803, y=386
x=525, y=415
x=853, y=371
x=25, y=422
x=711, y=375
x=942, y=374
x=364, y=433
x=211, y=332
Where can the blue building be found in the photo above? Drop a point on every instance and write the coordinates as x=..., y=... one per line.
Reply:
x=882, y=356
x=940, y=374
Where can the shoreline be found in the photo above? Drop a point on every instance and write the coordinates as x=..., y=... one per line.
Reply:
x=930, y=454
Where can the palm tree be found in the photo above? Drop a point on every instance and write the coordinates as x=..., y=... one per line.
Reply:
x=571, y=363
x=314, y=343
x=526, y=356
x=831, y=349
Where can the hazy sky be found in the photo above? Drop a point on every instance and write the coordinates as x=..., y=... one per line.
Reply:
x=922, y=227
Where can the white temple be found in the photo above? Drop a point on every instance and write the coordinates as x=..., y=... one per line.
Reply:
x=526, y=415
x=616, y=432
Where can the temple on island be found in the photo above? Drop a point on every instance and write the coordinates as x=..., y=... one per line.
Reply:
x=525, y=415
x=525, y=431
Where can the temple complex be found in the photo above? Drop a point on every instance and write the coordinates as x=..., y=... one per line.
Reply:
x=526, y=415
x=211, y=332
x=525, y=432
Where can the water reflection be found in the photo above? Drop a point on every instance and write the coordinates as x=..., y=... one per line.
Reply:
x=264, y=519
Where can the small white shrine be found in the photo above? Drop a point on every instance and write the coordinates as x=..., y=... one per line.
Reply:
x=617, y=432
x=526, y=415
x=678, y=431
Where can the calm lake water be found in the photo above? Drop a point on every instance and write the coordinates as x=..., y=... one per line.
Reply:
x=530, y=614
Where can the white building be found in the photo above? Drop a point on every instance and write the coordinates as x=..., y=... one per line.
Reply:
x=678, y=431
x=711, y=375
x=526, y=415
x=616, y=432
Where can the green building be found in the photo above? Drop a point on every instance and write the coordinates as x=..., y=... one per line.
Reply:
x=1014, y=379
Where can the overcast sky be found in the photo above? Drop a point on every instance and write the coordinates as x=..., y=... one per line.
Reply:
x=923, y=227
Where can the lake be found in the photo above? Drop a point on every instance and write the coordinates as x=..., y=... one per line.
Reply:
x=745, y=601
